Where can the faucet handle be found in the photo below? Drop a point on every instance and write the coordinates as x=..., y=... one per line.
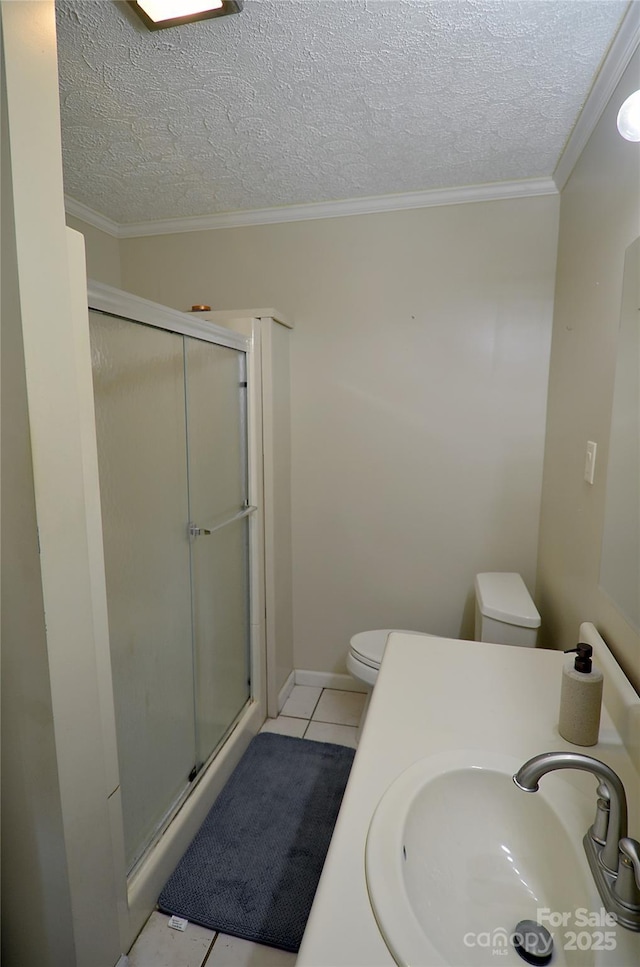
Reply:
x=630, y=849
x=627, y=884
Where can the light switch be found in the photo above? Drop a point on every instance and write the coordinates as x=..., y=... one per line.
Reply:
x=590, y=461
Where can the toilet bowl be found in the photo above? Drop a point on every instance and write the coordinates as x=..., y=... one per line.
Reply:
x=364, y=657
x=366, y=650
x=504, y=614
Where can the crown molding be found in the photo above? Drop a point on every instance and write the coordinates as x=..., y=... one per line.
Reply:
x=613, y=67
x=496, y=191
x=77, y=210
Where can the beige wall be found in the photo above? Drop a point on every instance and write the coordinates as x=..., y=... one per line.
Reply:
x=600, y=217
x=102, y=252
x=419, y=378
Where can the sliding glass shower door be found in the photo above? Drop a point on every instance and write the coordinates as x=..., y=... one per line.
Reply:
x=172, y=451
x=219, y=518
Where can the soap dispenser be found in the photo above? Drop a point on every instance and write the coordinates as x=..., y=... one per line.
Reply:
x=580, y=698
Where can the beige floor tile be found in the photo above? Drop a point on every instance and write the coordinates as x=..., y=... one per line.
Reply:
x=284, y=725
x=160, y=946
x=340, y=708
x=328, y=732
x=301, y=702
x=233, y=952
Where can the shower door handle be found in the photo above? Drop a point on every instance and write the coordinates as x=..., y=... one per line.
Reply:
x=195, y=531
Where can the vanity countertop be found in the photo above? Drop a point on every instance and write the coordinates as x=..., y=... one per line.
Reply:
x=434, y=695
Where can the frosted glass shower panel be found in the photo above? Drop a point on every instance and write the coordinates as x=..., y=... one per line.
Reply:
x=217, y=445
x=216, y=397
x=221, y=627
x=140, y=420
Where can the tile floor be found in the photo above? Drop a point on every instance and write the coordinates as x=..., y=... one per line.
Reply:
x=323, y=714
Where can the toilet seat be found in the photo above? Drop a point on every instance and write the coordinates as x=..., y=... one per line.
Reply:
x=368, y=647
x=365, y=654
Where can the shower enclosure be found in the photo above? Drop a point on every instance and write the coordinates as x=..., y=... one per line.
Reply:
x=171, y=424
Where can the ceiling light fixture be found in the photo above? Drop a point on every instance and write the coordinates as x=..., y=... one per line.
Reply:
x=629, y=118
x=158, y=14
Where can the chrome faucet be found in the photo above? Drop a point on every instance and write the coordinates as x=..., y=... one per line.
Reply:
x=528, y=775
x=613, y=857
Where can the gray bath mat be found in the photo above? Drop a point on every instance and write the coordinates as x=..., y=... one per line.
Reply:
x=253, y=867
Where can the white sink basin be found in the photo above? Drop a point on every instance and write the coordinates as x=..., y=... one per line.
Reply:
x=457, y=855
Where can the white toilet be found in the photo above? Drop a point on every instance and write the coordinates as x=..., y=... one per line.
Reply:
x=505, y=614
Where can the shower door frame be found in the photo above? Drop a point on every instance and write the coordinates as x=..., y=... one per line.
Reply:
x=138, y=891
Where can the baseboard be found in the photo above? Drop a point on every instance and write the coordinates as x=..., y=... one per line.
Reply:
x=344, y=683
x=286, y=690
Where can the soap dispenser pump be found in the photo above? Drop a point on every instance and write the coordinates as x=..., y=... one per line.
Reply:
x=580, y=698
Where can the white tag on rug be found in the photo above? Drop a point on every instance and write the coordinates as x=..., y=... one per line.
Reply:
x=177, y=923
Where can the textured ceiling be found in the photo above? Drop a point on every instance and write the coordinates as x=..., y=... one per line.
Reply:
x=297, y=101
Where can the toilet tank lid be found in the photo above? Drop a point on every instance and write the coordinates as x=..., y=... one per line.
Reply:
x=504, y=596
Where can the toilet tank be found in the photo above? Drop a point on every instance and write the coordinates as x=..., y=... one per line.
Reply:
x=505, y=612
